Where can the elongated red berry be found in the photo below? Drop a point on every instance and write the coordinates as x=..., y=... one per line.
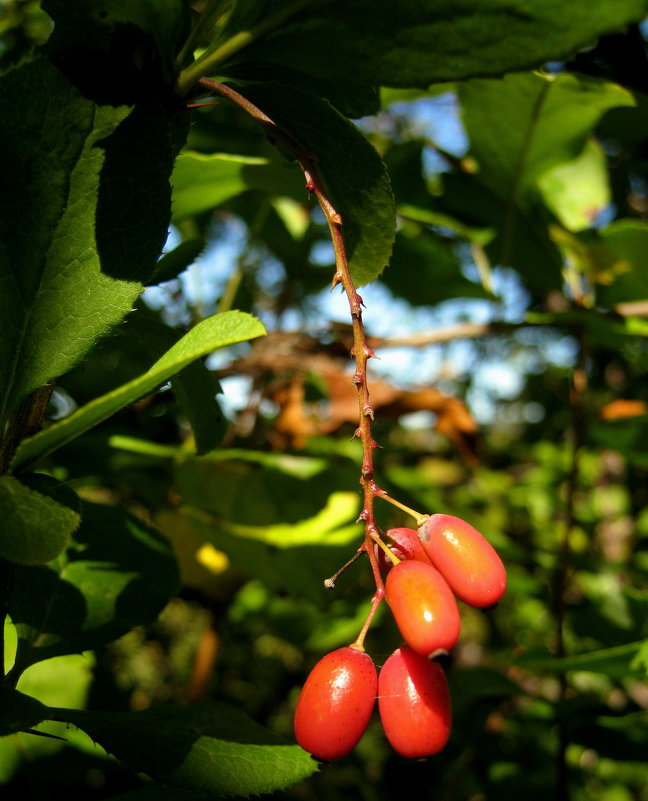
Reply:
x=465, y=559
x=423, y=606
x=405, y=544
x=414, y=704
x=335, y=703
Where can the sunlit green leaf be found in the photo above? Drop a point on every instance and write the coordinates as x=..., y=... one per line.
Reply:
x=520, y=128
x=36, y=527
x=578, y=191
x=203, y=181
x=209, y=335
x=212, y=748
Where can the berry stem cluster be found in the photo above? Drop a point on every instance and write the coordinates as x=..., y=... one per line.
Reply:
x=426, y=569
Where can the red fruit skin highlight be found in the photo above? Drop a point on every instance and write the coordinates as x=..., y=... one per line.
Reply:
x=424, y=608
x=465, y=559
x=335, y=703
x=414, y=703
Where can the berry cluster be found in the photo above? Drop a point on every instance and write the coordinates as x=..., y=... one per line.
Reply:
x=426, y=571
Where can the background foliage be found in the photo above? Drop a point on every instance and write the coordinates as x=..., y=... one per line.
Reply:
x=163, y=552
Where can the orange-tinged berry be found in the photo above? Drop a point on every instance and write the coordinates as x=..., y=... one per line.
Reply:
x=465, y=559
x=423, y=606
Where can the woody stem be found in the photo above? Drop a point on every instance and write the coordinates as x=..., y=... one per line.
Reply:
x=360, y=350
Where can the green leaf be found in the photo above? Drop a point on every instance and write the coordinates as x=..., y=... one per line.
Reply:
x=117, y=574
x=35, y=526
x=64, y=681
x=260, y=512
x=576, y=192
x=482, y=682
x=352, y=98
x=176, y=261
x=116, y=50
x=621, y=738
x=145, y=447
x=627, y=243
x=420, y=42
x=195, y=386
x=628, y=436
x=523, y=125
x=520, y=239
x=616, y=662
x=426, y=270
x=289, y=464
x=19, y=711
x=256, y=491
x=84, y=212
x=333, y=525
x=201, y=182
x=212, y=748
x=288, y=559
x=215, y=332
x=640, y=660
x=520, y=127
x=350, y=167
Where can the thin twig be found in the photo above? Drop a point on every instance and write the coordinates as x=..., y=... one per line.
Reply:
x=329, y=583
x=440, y=335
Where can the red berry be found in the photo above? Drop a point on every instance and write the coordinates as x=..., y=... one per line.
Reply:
x=465, y=559
x=414, y=703
x=406, y=545
x=423, y=606
x=335, y=703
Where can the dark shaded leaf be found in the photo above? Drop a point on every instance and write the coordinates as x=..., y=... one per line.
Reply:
x=420, y=42
x=84, y=211
x=176, y=261
x=19, y=711
x=117, y=574
x=117, y=51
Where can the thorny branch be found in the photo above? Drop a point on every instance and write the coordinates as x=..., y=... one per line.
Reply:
x=360, y=350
